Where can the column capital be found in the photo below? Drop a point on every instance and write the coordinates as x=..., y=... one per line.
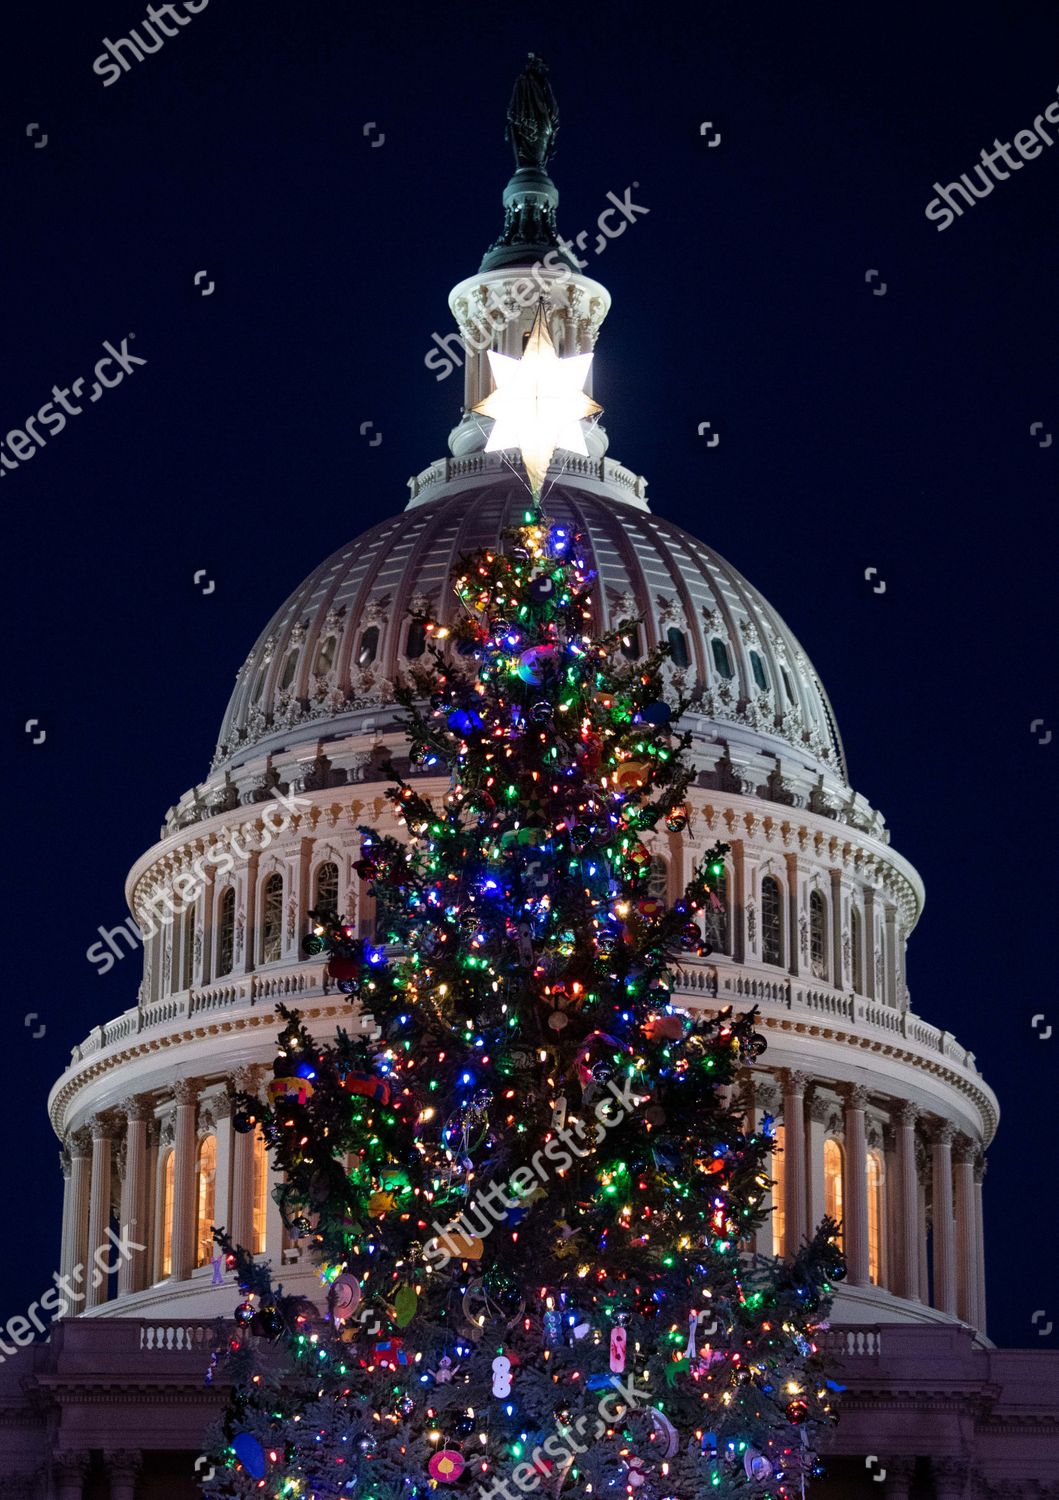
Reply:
x=819, y=1108
x=64, y=1162
x=981, y=1166
x=185, y=1091
x=73, y=1464
x=943, y=1134
x=794, y=1081
x=123, y=1463
x=855, y=1095
x=964, y=1150
x=136, y=1107
x=103, y=1127
x=79, y=1142
x=907, y=1113
x=247, y=1079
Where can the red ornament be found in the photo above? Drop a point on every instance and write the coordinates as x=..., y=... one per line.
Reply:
x=368, y=1085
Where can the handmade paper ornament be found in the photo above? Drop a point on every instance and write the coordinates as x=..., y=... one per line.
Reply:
x=343, y=1297
x=380, y=1203
x=693, y=1328
x=650, y=907
x=618, y=1338
x=524, y=941
x=390, y=1353
x=501, y=1376
x=756, y=1465
x=462, y=1246
x=668, y=1027
x=446, y=1466
x=368, y=1085
x=552, y=1325
x=289, y=1091
x=250, y=1454
x=404, y=1305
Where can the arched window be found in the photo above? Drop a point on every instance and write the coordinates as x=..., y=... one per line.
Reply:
x=787, y=684
x=817, y=935
x=369, y=645
x=833, y=1183
x=678, y=647
x=779, y=1175
x=856, y=942
x=875, y=1217
x=757, y=666
x=416, y=639
x=167, y=1215
x=257, y=1232
x=271, y=919
x=721, y=660
x=226, y=931
x=187, y=949
x=326, y=888
x=771, y=921
x=630, y=643
x=715, y=917
x=206, y=1169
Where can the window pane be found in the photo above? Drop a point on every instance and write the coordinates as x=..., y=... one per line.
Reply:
x=272, y=919
x=817, y=935
x=630, y=643
x=758, y=668
x=771, y=922
x=858, y=951
x=833, y=1183
x=188, y=949
x=716, y=916
x=260, y=1195
x=326, y=655
x=369, y=645
x=721, y=660
x=416, y=640
x=226, y=932
x=167, y=1216
x=875, y=1189
x=326, y=898
x=289, y=668
x=678, y=643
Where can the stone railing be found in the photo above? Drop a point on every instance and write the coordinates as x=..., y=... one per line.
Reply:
x=171, y=1337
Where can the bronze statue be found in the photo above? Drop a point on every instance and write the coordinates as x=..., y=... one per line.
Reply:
x=532, y=116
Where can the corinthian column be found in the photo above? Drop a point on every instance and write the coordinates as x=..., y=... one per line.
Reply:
x=856, y=1186
x=979, y=1176
x=75, y=1240
x=247, y=1081
x=99, y=1208
x=794, y=1183
x=966, y=1234
x=133, y=1213
x=185, y=1094
x=944, y=1242
x=907, y=1236
x=123, y=1466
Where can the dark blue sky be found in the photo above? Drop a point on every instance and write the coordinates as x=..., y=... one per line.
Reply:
x=857, y=430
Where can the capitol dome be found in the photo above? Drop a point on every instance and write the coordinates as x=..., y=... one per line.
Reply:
x=884, y=1119
x=327, y=659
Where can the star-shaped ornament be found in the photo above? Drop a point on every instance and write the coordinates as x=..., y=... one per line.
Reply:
x=539, y=402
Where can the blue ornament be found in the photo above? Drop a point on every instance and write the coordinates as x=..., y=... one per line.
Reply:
x=656, y=713
x=250, y=1454
x=465, y=720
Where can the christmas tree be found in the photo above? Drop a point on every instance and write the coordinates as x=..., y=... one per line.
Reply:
x=523, y=1167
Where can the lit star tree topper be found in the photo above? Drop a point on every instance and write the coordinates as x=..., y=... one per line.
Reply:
x=539, y=402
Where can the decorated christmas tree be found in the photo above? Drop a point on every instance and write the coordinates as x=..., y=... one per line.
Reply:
x=523, y=1166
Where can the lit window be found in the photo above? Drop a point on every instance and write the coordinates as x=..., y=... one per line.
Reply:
x=771, y=921
x=326, y=898
x=207, y=1199
x=779, y=1220
x=369, y=646
x=757, y=666
x=416, y=640
x=257, y=1231
x=271, y=919
x=678, y=647
x=856, y=943
x=226, y=931
x=817, y=935
x=875, y=1217
x=721, y=660
x=833, y=1183
x=167, y=1215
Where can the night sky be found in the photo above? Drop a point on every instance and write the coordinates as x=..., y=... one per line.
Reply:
x=859, y=428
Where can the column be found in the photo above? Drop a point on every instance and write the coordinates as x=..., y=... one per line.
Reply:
x=75, y=1243
x=856, y=1185
x=795, y=1191
x=69, y=1473
x=798, y=962
x=98, y=1209
x=923, y=1231
x=133, y=1212
x=941, y=1204
x=206, y=906
x=151, y=1204
x=762, y=1099
x=979, y=1177
x=966, y=1227
x=890, y=1209
x=222, y=1114
x=899, y=1474
x=838, y=972
x=183, y=1251
x=907, y=1237
x=64, y=1233
x=950, y=1478
x=737, y=895
x=123, y=1466
x=246, y=910
x=867, y=938
x=816, y=1129
x=889, y=940
x=245, y=1080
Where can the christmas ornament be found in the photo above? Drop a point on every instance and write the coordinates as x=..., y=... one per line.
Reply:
x=501, y=1376
x=618, y=1337
x=289, y=1091
x=446, y=1466
x=250, y=1454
